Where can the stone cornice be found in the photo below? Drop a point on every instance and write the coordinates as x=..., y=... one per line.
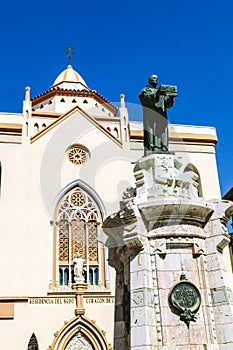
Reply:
x=186, y=138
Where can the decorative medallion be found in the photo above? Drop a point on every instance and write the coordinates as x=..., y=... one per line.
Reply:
x=186, y=299
x=77, y=155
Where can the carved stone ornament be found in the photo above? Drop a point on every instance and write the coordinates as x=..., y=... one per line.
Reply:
x=186, y=299
x=77, y=155
x=79, y=341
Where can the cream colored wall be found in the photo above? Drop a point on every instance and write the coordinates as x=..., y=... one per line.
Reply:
x=108, y=171
x=40, y=122
x=103, y=314
x=33, y=176
x=14, y=208
x=25, y=216
x=45, y=320
x=13, y=118
x=41, y=171
x=201, y=155
x=25, y=230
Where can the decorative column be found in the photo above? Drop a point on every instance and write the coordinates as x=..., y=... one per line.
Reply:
x=99, y=249
x=124, y=120
x=27, y=117
x=87, y=252
x=56, y=253
x=70, y=252
x=51, y=227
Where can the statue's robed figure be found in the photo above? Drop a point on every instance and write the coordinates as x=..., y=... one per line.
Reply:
x=155, y=102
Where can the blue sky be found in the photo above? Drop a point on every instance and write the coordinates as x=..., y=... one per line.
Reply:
x=118, y=45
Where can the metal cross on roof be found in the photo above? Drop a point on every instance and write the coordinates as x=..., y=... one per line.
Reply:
x=70, y=51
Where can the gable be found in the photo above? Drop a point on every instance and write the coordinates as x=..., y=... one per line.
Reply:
x=79, y=115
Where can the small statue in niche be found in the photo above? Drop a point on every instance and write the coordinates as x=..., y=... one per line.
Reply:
x=155, y=102
x=78, y=268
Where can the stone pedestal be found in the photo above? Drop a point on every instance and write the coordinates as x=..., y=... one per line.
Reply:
x=162, y=233
x=79, y=289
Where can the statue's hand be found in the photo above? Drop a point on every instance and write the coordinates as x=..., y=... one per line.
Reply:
x=169, y=102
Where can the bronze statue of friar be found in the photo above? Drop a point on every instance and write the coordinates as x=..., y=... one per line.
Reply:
x=155, y=102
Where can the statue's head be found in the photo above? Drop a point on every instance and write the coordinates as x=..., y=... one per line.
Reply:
x=153, y=80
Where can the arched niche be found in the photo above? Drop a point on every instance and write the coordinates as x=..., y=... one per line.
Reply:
x=195, y=177
x=35, y=128
x=80, y=332
x=116, y=133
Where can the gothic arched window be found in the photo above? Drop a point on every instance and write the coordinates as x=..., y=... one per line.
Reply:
x=116, y=133
x=77, y=223
x=36, y=128
x=33, y=343
x=80, y=333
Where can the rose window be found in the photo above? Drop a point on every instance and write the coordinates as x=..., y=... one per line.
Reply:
x=77, y=199
x=77, y=155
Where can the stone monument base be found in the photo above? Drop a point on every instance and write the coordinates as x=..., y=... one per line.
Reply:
x=166, y=245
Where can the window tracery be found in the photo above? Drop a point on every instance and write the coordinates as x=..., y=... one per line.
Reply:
x=77, y=220
x=79, y=341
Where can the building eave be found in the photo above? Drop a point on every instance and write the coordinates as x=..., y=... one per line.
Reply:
x=79, y=93
x=45, y=115
x=8, y=127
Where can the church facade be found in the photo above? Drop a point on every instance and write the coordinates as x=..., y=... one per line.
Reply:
x=65, y=162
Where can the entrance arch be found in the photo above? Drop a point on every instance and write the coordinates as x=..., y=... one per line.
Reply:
x=80, y=333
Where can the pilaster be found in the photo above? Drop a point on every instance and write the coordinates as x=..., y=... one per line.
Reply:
x=27, y=117
x=79, y=289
